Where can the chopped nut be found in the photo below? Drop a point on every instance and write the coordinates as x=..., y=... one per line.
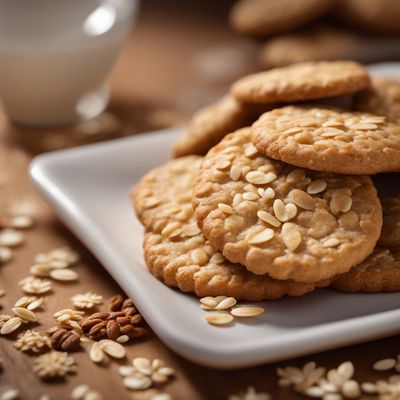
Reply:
x=32, y=341
x=11, y=238
x=32, y=285
x=87, y=300
x=11, y=325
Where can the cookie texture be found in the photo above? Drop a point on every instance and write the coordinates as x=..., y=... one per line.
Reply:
x=210, y=124
x=176, y=251
x=304, y=81
x=383, y=98
x=324, y=43
x=280, y=220
x=373, y=15
x=329, y=140
x=380, y=272
x=390, y=235
x=267, y=17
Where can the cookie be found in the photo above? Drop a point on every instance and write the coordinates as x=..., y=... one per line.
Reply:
x=383, y=98
x=304, y=81
x=210, y=124
x=155, y=202
x=390, y=235
x=325, y=139
x=176, y=251
x=317, y=44
x=373, y=15
x=263, y=18
x=380, y=272
x=280, y=220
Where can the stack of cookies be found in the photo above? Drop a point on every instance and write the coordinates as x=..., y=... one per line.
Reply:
x=283, y=204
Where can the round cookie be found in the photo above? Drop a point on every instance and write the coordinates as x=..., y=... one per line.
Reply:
x=280, y=220
x=176, y=251
x=383, y=99
x=324, y=43
x=329, y=140
x=210, y=124
x=390, y=235
x=304, y=81
x=380, y=272
x=267, y=17
x=374, y=15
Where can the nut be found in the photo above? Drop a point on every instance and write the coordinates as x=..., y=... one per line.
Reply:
x=64, y=339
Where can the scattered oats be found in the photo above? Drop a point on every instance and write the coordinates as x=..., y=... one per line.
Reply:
x=259, y=178
x=112, y=348
x=137, y=381
x=385, y=364
x=32, y=285
x=54, y=365
x=4, y=317
x=250, y=394
x=317, y=186
x=96, y=353
x=268, y=218
x=296, y=175
x=58, y=258
x=32, y=341
x=21, y=222
x=199, y=256
x=218, y=319
x=29, y=302
x=123, y=339
x=369, y=388
x=69, y=317
x=191, y=230
x=250, y=196
x=235, y=172
x=25, y=314
x=151, y=202
x=225, y=304
x=302, y=199
x=269, y=193
x=250, y=150
x=11, y=325
x=217, y=258
x=2, y=292
x=262, y=237
x=340, y=204
x=66, y=275
x=224, y=164
x=247, y=311
x=300, y=379
x=291, y=236
x=87, y=300
x=351, y=389
x=225, y=208
x=10, y=394
x=209, y=301
x=44, y=397
x=332, y=242
x=11, y=238
x=5, y=255
x=79, y=392
x=40, y=270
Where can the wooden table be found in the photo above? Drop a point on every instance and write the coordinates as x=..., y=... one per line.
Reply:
x=155, y=81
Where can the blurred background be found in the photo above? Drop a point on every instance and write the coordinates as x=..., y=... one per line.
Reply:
x=182, y=55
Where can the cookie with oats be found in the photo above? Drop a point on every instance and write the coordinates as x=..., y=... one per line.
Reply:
x=330, y=140
x=211, y=123
x=383, y=98
x=390, y=235
x=177, y=252
x=304, y=81
x=380, y=272
x=280, y=220
x=267, y=17
x=373, y=15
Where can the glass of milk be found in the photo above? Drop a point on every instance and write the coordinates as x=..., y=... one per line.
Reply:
x=55, y=56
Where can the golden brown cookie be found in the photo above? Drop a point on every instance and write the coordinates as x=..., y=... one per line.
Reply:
x=383, y=98
x=280, y=220
x=317, y=44
x=176, y=251
x=390, y=235
x=374, y=15
x=380, y=272
x=267, y=17
x=330, y=140
x=304, y=81
x=210, y=124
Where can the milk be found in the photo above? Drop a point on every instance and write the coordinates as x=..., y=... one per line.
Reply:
x=55, y=56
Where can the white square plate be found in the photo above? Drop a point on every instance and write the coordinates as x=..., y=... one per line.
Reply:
x=89, y=188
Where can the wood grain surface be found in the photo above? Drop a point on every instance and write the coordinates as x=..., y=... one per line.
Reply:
x=154, y=82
